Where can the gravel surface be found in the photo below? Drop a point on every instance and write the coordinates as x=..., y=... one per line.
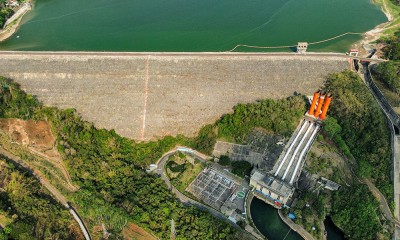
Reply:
x=184, y=92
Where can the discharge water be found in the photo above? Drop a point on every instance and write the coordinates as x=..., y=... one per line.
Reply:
x=192, y=25
x=268, y=222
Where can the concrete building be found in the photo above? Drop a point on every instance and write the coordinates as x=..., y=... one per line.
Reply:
x=328, y=184
x=270, y=189
x=302, y=47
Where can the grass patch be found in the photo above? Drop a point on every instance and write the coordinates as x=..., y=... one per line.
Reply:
x=175, y=167
x=394, y=10
x=181, y=175
x=4, y=220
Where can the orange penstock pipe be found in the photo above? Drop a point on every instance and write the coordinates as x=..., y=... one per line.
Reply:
x=320, y=103
x=313, y=103
x=325, y=108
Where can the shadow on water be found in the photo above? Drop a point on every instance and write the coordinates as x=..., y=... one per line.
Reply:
x=333, y=232
x=268, y=222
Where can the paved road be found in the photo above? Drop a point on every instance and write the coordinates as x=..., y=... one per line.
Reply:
x=203, y=54
x=295, y=227
x=184, y=199
x=396, y=181
x=211, y=54
x=45, y=182
x=396, y=175
x=394, y=120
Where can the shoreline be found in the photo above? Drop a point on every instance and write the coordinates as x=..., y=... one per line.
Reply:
x=378, y=31
x=367, y=38
x=13, y=26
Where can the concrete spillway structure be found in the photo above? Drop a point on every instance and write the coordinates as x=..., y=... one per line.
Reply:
x=145, y=96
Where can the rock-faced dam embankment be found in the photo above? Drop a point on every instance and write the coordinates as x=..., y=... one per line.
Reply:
x=145, y=96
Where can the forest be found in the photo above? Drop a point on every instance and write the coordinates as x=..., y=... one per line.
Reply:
x=111, y=168
x=360, y=123
x=29, y=211
x=354, y=209
x=5, y=12
x=389, y=72
x=276, y=116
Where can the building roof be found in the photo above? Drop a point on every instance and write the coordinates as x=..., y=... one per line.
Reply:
x=272, y=184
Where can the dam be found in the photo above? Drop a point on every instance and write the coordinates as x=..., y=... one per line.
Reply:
x=145, y=96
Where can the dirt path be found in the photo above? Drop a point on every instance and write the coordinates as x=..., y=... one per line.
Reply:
x=45, y=182
x=384, y=206
x=59, y=164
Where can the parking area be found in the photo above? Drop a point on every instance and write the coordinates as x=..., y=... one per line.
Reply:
x=212, y=187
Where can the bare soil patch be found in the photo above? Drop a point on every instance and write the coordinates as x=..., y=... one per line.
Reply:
x=133, y=231
x=34, y=134
x=37, y=138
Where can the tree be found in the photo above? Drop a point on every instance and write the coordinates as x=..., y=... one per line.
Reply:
x=389, y=73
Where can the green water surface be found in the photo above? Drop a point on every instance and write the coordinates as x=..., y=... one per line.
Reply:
x=268, y=222
x=191, y=25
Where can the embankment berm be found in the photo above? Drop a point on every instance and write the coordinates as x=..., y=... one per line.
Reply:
x=147, y=95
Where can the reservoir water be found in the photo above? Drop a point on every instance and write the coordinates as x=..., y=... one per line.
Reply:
x=191, y=25
x=268, y=222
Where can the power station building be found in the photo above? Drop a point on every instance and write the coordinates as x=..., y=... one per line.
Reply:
x=277, y=186
x=271, y=189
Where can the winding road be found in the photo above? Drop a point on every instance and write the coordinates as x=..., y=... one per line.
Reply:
x=186, y=200
x=45, y=182
x=394, y=120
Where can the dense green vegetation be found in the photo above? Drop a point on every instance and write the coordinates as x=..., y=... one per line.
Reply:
x=396, y=2
x=111, y=169
x=355, y=211
x=392, y=49
x=334, y=130
x=34, y=214
x=389, y=74
x=183, y=169
x=309, y=211
x=239, y=168
x=276, y=116
x=104, y=163
x=5, y=12
x=174, y=167
x=224, y=160
x=363, y=127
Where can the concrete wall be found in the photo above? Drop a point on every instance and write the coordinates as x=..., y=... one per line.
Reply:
x=148, y=96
